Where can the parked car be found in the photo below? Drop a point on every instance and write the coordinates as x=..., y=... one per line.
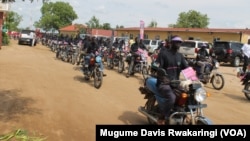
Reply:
x=151, y=45
x=189, y=48
x=228, y=51
x=26, y=38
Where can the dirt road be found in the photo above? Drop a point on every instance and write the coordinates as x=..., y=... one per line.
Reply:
x=42, y=94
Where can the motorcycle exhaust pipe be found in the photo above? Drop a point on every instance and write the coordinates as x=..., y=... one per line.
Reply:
x=143, y=111
x=246, y=91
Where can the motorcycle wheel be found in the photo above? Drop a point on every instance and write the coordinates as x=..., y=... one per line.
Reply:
x=218, y=82
x=98, y=77
x=120, y=66
x=144, y=72
x=247, y=87
x=152, y=108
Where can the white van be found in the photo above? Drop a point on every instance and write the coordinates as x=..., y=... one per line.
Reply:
x=151, y=45
x=189, y=48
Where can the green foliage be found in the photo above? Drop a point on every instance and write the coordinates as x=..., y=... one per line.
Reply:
x=153, y=23
x=192, y=19
x=21, y=135
x=56, y=15
x=106, y=26
x=5, y=39
x=22, y=0
x=93, y=23
x=13, y=20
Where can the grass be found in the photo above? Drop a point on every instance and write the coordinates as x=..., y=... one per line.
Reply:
x=21, y=135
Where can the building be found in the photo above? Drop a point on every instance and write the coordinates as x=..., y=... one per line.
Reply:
x=206, y=34
x=72, y=29
x=76, y=28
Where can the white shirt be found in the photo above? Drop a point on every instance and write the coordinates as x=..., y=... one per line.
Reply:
x=32, y=35
x=246, y=50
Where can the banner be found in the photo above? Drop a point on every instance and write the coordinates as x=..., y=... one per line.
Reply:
x=141, y=29
x=163, y=133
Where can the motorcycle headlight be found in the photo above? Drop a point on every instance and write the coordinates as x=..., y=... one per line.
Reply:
x=200, y=94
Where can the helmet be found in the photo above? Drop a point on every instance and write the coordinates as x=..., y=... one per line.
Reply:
x=176, y=39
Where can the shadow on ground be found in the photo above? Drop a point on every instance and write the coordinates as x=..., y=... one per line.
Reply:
x=133, y=118
x=13, y=105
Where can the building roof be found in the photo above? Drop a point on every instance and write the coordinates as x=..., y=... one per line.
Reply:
x=221, y=30
x=102, y=32
x=72, y=27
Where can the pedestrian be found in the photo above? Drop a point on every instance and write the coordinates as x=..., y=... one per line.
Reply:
x=246, y=52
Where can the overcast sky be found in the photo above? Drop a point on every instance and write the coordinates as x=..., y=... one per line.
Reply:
x=222, y=13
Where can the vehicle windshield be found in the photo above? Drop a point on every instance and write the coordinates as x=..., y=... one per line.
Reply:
x=146, y=42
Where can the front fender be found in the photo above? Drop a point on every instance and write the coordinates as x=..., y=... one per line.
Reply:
x=215, y=74
x=200, y=120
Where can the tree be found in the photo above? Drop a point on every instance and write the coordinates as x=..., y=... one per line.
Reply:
x=192, y=19
x=106, y=26
x=152, y=24
x=121, y=26
x=3, y=1
x=12, y=21
x=56, y=15
x=93, y=23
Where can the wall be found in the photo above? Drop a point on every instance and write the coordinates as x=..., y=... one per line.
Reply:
x=206, y=36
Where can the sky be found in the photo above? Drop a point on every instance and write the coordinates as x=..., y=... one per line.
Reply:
x=129, y=13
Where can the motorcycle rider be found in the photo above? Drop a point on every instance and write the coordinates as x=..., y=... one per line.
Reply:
x=133, y=50
x=92, y=48
x=202, y=58
x=142, y=45
x=172, y=62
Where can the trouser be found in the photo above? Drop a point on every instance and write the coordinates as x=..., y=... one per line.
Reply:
x=202, y=65
x=32, y=42
x=245, y=63
x=166, y=100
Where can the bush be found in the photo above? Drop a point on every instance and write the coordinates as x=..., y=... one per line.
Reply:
x=5, y=39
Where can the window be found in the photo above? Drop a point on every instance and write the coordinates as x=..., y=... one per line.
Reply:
x=188, y=44
x=131, y=36
x=153, y=42
x=146, y=41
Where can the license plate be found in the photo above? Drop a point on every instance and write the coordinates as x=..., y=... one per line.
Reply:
x=197, y=106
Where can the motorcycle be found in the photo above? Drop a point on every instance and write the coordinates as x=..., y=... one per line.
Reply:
x=138, y=63
x=245, y=79
x=113, y=58
x=121, y=60
x=211, y=74
x=188, y=106
x=92, y=69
